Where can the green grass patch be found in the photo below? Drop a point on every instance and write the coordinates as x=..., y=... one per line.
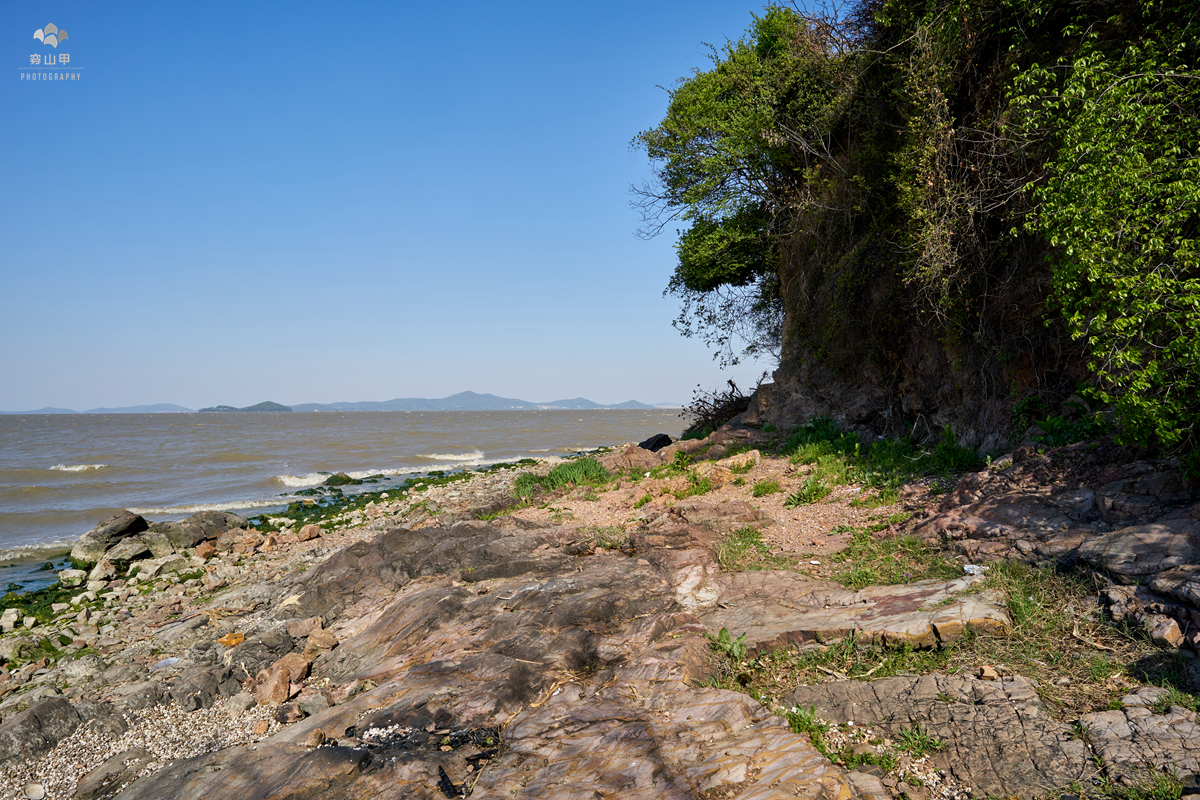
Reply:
x=608, y=538
x=868, y=560
x=744, y=549
x=886, y=464
x=577, y=472
x=813, y=490
x=766, y=487
x=696, y=485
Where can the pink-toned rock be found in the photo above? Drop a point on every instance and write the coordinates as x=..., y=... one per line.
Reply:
x=271, y=542
x=296, y=665
x=319, y=641
x=309, y=532
x=205, y=550
x=272, y=686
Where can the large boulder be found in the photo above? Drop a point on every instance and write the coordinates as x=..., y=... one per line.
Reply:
x=93, y=544
x=35, y=731
x=197, y=528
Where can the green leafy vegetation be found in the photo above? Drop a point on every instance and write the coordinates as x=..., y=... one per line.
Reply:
x=964, y=191
x=724, y=642
x=744, y=549
x=871, y=561
x=765, y=487
x=577, y=472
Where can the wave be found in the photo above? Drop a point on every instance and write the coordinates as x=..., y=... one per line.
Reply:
x=42, y=551
x=77, y=467
x=312, y=479
x=198, y=507
x=474, y=456
x=464, y=460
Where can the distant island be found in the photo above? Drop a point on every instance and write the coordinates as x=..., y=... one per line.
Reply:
x=265, y=406
x=463, y=401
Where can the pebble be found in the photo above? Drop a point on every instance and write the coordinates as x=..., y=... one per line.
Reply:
x=168, y=732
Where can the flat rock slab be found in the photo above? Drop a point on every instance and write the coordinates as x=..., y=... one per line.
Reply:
x=495, y=659
x=999, y=738
x=777, y=608
x=1134, y=553
x=1133, y=740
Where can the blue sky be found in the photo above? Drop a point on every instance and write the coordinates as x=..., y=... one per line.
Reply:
x=318, y=202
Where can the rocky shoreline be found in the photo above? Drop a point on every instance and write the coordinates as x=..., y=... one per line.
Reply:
x=467, y=636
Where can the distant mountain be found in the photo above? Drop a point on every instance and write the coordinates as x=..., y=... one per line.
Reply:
x=265, y=406
x=157, y=408
x=584, y=403
x=46, y=410
x=463, y=401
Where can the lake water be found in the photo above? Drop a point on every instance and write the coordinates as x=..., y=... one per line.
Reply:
x=61, y=474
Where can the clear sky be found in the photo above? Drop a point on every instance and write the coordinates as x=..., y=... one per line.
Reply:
x=320, y=202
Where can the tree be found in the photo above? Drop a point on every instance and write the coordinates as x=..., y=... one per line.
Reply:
x=735, y=157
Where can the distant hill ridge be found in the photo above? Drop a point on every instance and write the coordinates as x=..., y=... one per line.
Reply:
x=463, y=401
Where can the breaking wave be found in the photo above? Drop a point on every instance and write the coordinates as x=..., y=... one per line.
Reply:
x=77, y=467
x=476, y=456
x=198, y=507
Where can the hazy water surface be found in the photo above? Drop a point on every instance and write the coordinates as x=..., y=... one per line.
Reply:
x=61, y=474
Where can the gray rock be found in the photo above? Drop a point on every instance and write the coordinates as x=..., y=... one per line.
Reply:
x=999, y=738
x=93, y=544
x=1135, y=739
x=35, y=731
x=191, y=531
x=16, y=648
x=72, y=577
x=201, y=687
x=106, y=779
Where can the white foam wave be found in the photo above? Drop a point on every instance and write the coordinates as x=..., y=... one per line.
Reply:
x=42, y=551
x=475, y=456
x=312, y=479
x=463, y=460
x=197, y=508
x=77, y=467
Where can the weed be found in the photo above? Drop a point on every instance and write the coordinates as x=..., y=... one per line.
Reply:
x=577, y=472
x=739, y=481
x=811, y=491
x=1175, y=697
x=1150, y=785
x=724, y=642
x=610, y=538
x=871, y=561
x=917, y=742
x=806, y=721
x=742, y=467
x=696, y=485
x=744, y=549
x=641, y=501
x=766, y=487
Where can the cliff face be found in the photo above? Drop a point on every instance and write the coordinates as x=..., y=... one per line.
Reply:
x=874, y=358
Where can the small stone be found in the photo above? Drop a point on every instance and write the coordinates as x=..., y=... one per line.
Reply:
x=320, y=641
x=988, y=674
x=29, y=622
x=34, y=791
x=309, y=532
x=260, y=727
x=205, y=550
x=315, y=738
